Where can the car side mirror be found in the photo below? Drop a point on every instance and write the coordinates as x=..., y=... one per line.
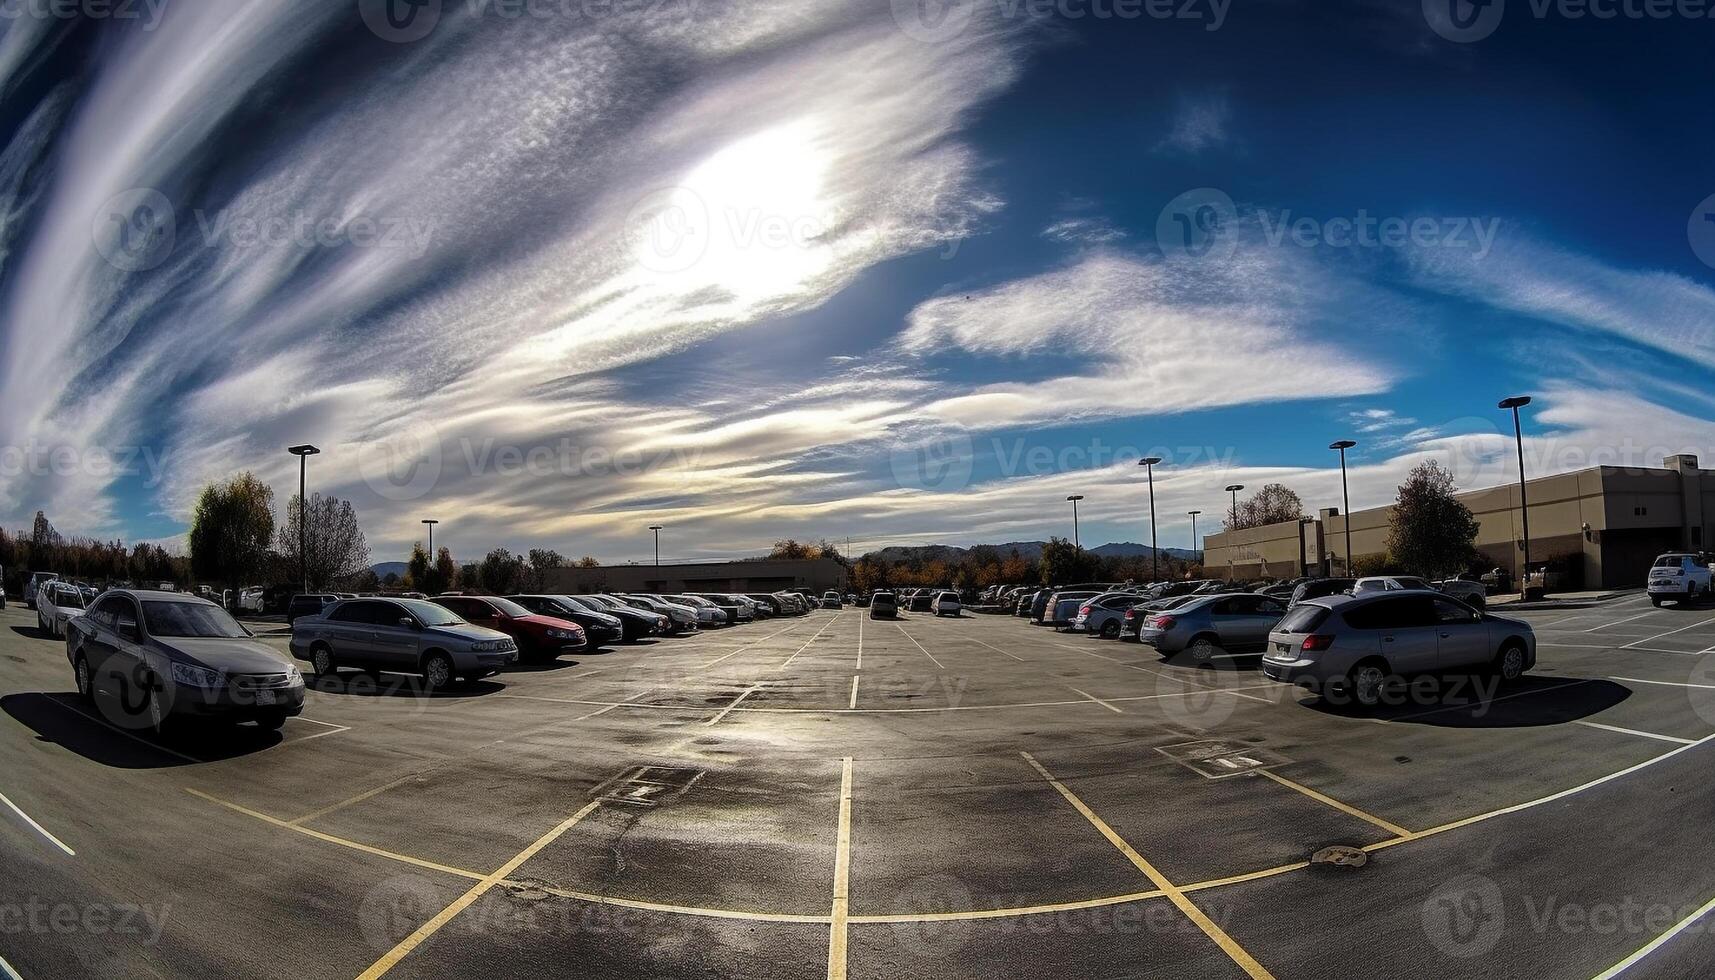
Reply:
x=406, y=622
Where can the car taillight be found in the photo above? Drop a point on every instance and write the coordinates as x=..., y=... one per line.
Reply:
x=1315, y=642
x=1083, y=610
x=1162, y=622
x=1131, y=614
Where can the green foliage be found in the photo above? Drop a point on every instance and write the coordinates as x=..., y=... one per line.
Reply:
x=230, y=530
x=1431, y=533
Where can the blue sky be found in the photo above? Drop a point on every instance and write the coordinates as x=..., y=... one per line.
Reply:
x=762, y=269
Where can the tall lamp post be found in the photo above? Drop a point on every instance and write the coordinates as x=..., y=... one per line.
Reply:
x=1074, y=498
x=1345, y=498
x=1234, y=488
x=1515, y=403
x=431, y=522
x=303, y=453
x=1194, y=542
x=657, y=529
x=1148, y=464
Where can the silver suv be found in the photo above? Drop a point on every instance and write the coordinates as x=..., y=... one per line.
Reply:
x=1360, y=645
x=402, y=636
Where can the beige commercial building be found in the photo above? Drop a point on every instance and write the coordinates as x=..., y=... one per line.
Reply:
x=754, y=575
x=1598, y=528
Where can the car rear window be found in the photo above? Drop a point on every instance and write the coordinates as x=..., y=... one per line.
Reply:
x=1302, y=619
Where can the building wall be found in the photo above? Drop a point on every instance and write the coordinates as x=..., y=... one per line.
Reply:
x=1603, y=525
x=1270, y=551
x=760, y=575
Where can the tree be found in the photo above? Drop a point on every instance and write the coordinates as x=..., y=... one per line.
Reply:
x=501, y=572
x=230, y=530
x=1063, y=562
x=443, y=575
x=1431, y=533
x=337, y=549
x=1272, y=504
x=44, y=543
x=587, y=562
x=542, y=562
x=791, y=550
x=417, y=567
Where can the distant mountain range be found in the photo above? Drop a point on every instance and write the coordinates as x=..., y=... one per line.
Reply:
x=382, y=569
x=1028, y=550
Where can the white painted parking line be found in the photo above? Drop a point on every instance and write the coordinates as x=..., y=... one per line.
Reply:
x=38, y=827
x=853, y=704
x=860, y=650
x=840, y=912
x=1619, y=621
x=1627, y=648
x=807, y=643
x=1656, y=943
x=919, y=646
x=6, y=968
x=747, y=646
x=130, y=735
x=1701, y=622
x=1633, y=731
x=1640, y=680
x=752, y=689
x=1099, y=701
x=998, y=650
x=1159, y=673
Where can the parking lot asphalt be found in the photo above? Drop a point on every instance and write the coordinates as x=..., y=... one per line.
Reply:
x=831, y=796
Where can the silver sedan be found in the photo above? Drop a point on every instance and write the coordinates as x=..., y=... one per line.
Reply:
x=1214, y=626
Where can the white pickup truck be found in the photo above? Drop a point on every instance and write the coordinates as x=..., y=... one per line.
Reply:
x=1679, y=575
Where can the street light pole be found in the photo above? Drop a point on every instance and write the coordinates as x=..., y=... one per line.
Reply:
x=1515, y=403
x=657, y=529
x=1148, y=464
x=431, y=524
x=303, y=453
x=1345, y=498
x=1074, y=498
x=1194, y=543
x=1234, y=488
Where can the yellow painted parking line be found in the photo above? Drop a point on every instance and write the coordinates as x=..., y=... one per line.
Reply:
x=1247, y=876
x=752, y=689
x=853, y=705
x=1345, y=808
x=1228, y=945
x=919, y=646
x=341, y=841
x=631, y=903
x=1097, y=700
x=1634, y=731
x=476, y=891
x=1008, y=913
x=353, y=801
x=841, y=910
x=1656, y=943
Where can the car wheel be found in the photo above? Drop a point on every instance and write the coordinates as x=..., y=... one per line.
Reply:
x=1367, y=682
x=1655, y=601
x=85, y=683
x=1111, y=629
x=1509, y=663
x=438, y=672
x=1202, y=650
x=322, y=661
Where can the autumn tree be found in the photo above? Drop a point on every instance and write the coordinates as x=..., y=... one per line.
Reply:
x=1431, y=533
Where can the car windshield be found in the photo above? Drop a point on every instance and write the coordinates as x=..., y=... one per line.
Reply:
x=507, y=607
x=70, y=599
x=190, y=619
x=430, y=614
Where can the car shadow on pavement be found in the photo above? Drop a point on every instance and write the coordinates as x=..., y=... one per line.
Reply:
x=363, y=684
x=33, y=632
x=1464, y=701
x=67, y=720
x=547, y=667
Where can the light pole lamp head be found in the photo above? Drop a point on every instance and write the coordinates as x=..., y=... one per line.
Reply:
x=1517, y=401
x=430, y=520
x=1235, y=488
x=1193, y=513
x=1075, y=497
x=1149, y=461
x=1343, y=444
x=656, y=527
x=304, y=450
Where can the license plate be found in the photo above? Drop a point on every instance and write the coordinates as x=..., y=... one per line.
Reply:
x=264, y=697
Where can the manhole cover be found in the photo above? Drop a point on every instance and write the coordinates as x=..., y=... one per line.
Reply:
x=1341, y=856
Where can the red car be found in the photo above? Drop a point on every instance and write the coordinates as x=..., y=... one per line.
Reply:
x=540, y=638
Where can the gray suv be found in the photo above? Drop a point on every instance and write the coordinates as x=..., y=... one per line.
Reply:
x=1360, y=645
x=402, y=636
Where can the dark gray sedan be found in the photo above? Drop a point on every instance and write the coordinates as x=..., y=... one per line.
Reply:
x=1359, y=646
x=1214, y=626
x=402, y=636
x=144, y=658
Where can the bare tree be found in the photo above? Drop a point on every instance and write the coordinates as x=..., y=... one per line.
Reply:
x=337, y=549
